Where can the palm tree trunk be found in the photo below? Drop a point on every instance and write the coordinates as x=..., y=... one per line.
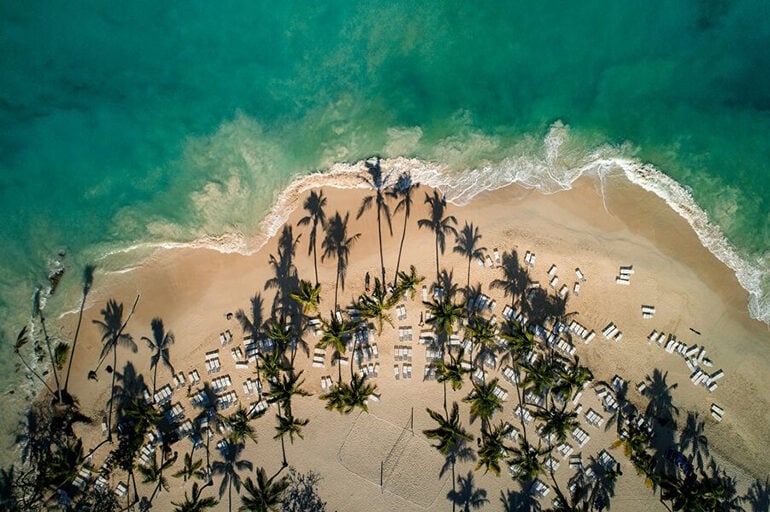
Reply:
x=468, y=284
x=518, y=394
x=154, y=380
x=18, y=353
x=454, y=490
x=112, y=389
x=400, y=248
x=283, y=445
x=50, y=354
x=336, y=285
x=315, y=256
x=230, y=495
x=74, y=342
x=339, y=368
x=446, y=411
x=379, y=236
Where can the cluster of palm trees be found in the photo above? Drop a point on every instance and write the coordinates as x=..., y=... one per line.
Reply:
x=541, y=373
x=545, y=382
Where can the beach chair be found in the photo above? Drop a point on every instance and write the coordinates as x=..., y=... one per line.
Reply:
x=496, y=254
x=579, y=274
x=121, y=489
x=565, y=450
x=540, y=488
x=396, y=371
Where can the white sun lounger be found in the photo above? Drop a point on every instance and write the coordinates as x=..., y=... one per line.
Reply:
x=496, y=255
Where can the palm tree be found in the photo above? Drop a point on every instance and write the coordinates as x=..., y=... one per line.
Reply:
x=153, y=473
x=684, y=494
x=283, y=390
x=359, y=393
x=314, y=206
x=483, y=401
x=88, y=280
x=451, y=372
x=308, y=296
x=444, y=316
x=440, y=224
x=262, y=494
x=541, y=376
x=377, y=305
x=450, y=436
x=240, y=426
x=112, y=327
x=22, y=340
x=408, y=282
x=336, y=333
x=229, y=467
x=526, y=461
x=572, y=378
x=493, y=448
x=402, y=191
x=337, y=243
x=288, y=424
x=160, y=344
x=718, y=490
x=467, y=245
x=37, y=311
x=483, y=333
x=557, y=422
x=196, y=504
x=190, y=468
x=380, y=184
x=345, y=397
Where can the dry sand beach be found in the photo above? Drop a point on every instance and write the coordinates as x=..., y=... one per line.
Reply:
x=695, y=297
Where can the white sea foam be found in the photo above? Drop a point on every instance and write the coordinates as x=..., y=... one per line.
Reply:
x=550, y=168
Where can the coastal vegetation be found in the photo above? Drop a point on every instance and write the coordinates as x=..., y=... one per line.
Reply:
x=472, y=344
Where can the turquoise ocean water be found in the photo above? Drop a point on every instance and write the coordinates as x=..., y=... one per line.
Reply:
x=134, y=122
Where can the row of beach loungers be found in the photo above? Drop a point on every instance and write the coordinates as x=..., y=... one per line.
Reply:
x=694, y=357
x=402, y=353
x=624, y=275
x=404, y=334
x=401, y=312
x=213, y=365
x=481, y=302
x=252, y=386
x=612, y=332
x=404, y=371
x=582, y=332
x=370, y=370
x=225, y=337
x=221, y=383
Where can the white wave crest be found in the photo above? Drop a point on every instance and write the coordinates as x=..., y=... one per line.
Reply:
x=550, y=166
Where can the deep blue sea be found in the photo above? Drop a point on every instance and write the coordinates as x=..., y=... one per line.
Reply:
x=123, y=123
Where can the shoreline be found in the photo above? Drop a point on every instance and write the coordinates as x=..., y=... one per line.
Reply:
x=193, y=289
